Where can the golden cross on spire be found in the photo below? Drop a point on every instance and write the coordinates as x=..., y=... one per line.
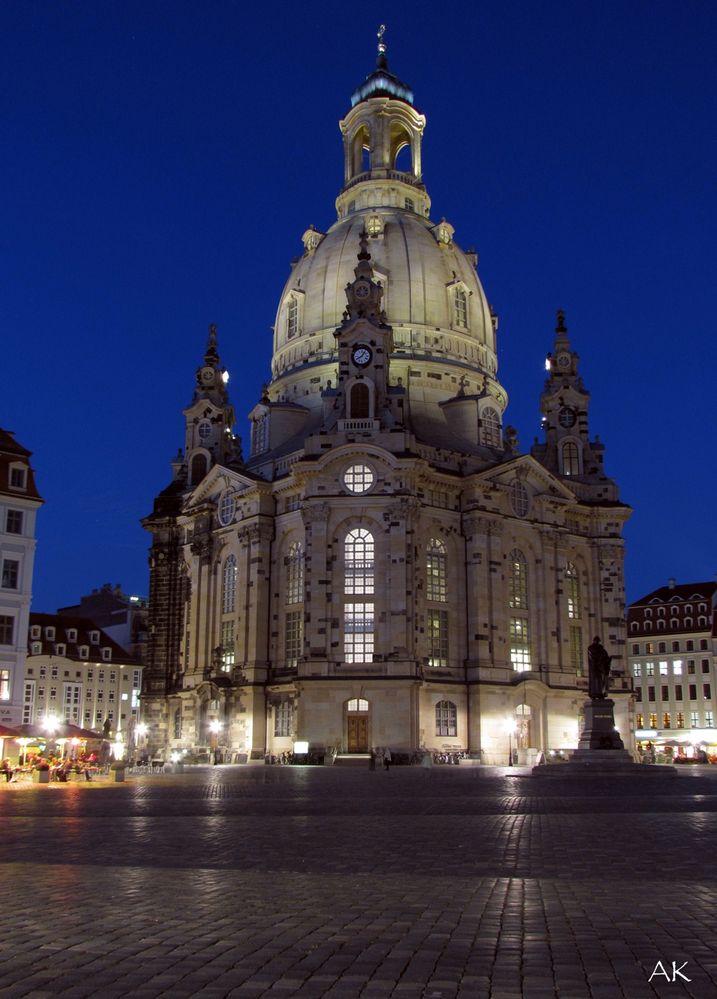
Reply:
x=381, y=43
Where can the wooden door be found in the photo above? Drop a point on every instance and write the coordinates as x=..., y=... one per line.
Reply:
x=358, y=733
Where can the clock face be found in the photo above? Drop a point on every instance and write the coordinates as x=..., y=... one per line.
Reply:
x=563, y=360
x=566, y=417
x=207, y=375
x=361, y=355
x=361, y=290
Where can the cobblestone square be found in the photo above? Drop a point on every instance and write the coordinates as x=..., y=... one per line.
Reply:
x=322, y=882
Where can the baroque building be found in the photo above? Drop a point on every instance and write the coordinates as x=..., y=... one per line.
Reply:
x=672, y=656
x=384, y=566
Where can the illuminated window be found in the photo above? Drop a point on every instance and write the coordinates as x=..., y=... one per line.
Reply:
x=677, y=667
x=357, y=704
x=437, y=637
x=4, y=684
x=517, y=580
x=572, y=587
x=709, y=719
x=358, y=478
x=359, y=562
x=653, y=720
x=374, y=225
x=229, y=585
x=636, y=669
x=228, y=646
x=436, y=571
x=519, y=644
x=663, y=668
x=666, y=720
x=358, y=632
x=639, y=720
x=571, y=458
x=649, y=669
x=446, y=718
x=680, y=719
x=490, y=427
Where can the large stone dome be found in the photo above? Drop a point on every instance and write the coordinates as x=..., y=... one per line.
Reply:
x=443, y=329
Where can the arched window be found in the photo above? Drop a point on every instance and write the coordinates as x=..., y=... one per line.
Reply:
x=517, y=580
x=360, y=402
x=294, y=619
x=571, y=458
x=518, y=626
x=436, y=571
x=294, y=573
x=283, y=718
x=446, y=718
x=460, y=304
x=260, y=434
x=519, y=498
x=490, y=427
x=572, y=591
x=199, y=468
x=358, y=582
x=229, y=585
x=357, y=704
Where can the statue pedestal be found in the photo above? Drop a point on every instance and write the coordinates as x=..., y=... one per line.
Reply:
x=599, y=731
x=601, y=752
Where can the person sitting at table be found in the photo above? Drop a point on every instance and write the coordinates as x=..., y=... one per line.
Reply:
x=6, y=768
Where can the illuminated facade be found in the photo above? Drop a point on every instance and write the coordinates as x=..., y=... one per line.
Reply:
x=19, y=503
x=384, y=567
x=672, y=655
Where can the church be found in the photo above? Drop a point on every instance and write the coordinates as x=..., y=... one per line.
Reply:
x=380, y=565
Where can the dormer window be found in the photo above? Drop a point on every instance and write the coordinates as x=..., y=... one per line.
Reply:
x=18, y=477
x=460, y=306
x=72, y=634
x=106, y=653
x=260, y=434
x=292, y=318
x=35, y=631
x=95, y=637
x=490, y=427
x=60, y=649
x=84, y=652
x=50, y=634
x=36, y=649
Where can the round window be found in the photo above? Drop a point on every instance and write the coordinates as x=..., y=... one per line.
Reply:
x=359, y=478
x=227, y=506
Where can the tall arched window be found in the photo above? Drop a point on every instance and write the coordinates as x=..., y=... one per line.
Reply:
x=446, y=718
x=519, y=627
x=199, y=468
x=229, y=585
x=292, y=318
x=575, y=613
x=294, y=572
x=436, y=592
x=358, y=582
x=436, y=571
x=294, y=618
x=571, y=458
x=490, y=427
x=360, y=401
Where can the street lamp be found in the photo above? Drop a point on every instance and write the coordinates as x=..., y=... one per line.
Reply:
x=215, y=727
x=509, y=726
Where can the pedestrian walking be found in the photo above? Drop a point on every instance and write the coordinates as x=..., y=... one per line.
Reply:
x=386, y=758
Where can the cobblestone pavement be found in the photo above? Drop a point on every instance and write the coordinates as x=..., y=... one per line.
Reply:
x=318, y=882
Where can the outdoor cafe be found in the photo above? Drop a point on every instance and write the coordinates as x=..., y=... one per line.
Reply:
x=52, y=750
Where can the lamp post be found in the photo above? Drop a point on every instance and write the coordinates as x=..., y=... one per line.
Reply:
x=140, y=732
x=214, y=727
x=509, y=726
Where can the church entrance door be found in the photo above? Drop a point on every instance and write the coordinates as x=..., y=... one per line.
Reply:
x=358, y=733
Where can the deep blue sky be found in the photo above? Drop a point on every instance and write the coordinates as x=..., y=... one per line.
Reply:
x=161, y=161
